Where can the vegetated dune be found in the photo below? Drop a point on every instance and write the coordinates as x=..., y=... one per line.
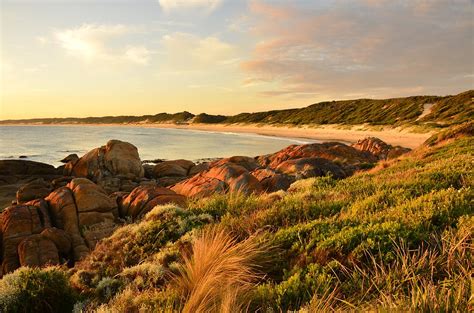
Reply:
x=394, y=237
x=447, y=110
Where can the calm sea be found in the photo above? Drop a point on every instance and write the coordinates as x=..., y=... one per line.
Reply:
x=50, y=144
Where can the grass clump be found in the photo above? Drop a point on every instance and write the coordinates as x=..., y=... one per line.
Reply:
x=219, y=273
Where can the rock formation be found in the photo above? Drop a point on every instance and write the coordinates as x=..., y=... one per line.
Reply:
x=54, y=219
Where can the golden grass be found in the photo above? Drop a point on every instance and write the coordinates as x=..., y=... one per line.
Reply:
x=219, y=273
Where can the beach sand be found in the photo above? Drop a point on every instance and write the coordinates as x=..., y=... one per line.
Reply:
x=348, y=134
x=393, y=136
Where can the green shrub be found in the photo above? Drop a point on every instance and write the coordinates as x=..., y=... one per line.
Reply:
x=36, y=290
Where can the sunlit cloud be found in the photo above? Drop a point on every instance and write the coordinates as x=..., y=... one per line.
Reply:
x=90, y=42
x=179, y=5
x=188, y=52
x=364, y=47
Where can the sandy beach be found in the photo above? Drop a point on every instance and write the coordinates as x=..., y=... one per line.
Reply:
x=393, y=136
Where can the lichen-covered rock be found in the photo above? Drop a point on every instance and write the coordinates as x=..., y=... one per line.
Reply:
x=172, y=168
x=144, y=198
x=328, y=150
x=116, y=158
x=65, y=216
x=18, y=223
x=90, y=197
x=271, y=180
x=200, y=186
x=379, y=148
x=36, y=250
x=310, y=167
x=37, y=189
x=248, y=163
x=60, y=238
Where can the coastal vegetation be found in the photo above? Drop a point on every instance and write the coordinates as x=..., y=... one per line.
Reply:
x=397, y=236
x=427, y=111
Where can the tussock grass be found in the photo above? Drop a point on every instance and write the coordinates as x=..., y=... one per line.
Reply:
x=219, y=273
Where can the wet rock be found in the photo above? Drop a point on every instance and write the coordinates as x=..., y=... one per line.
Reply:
x=70, y=158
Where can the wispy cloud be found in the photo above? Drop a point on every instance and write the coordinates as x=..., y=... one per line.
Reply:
x=92, y=42
x=373, y=47
x=179, y=5
x=188, y=52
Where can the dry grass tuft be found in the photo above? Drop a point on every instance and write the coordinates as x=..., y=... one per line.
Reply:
x=219, y=273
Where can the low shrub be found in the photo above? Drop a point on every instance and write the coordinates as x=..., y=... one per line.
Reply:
x=36, y=290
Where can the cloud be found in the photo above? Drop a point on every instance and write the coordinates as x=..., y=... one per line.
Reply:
x=179, y=5
x=376, y=48
x=188, y=52
x=92, y=42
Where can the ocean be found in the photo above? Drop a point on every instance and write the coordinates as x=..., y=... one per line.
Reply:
x=49, y=144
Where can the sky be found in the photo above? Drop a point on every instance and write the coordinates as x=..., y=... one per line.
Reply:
x=62, y=58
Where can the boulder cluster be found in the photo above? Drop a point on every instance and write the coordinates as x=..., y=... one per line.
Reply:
x=59, y=214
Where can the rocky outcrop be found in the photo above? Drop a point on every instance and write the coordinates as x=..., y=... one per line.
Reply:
x=144, y=198
x=17, y=173
x=332, y=151
x=310, y=167
x=117, y=159
x=178, y=168
x=26, y=168
x=18, y=223
x=56, y=219
x=37, y=189
x=223, y=177
x=379, y=149
x=272, y=180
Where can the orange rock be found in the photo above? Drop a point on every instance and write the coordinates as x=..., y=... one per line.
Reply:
x=144, y=198
x=36, y=250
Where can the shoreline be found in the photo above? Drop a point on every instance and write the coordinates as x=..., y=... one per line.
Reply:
x=342, y=133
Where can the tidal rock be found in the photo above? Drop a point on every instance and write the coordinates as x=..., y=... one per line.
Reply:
x=116, y=158
x=178, y=168
x=70, y=158
x=37, y=189
x=24, y=167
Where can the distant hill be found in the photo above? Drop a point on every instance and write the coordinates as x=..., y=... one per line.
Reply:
x=434, y=111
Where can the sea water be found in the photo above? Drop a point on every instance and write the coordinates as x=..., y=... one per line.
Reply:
x=49, y=144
